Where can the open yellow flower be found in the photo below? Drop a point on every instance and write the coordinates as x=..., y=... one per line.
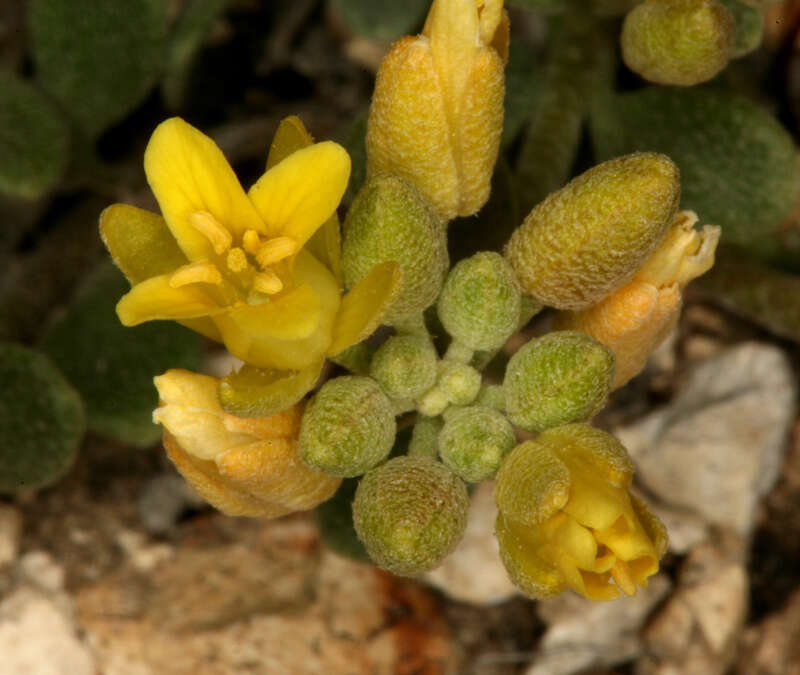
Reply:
x=238, y=266
x=566, y=517
x=242, y=466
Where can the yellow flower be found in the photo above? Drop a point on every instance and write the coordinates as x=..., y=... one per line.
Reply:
x=636, y=318
x=242, y=466
x=567, y=519
x=238, y=266
x=437, y=111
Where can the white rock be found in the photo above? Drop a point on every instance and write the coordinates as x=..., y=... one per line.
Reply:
x=36, y=638
x=474, y=572
x=10, y=531
x=40, y=569
x=717, y=448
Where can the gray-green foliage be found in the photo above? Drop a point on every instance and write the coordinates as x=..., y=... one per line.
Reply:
x=113, y=366
x=33, y=140
x=739, y=166
x=98, y=58
x=41, y=419
x=474, y=440
x=382, y=19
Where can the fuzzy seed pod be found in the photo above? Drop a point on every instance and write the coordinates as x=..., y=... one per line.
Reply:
x=437, y=111
x=559, y=378
x=567, y=519
x=590, y=237
x=390, y=220
x=348, y=427
x=459, y=382
x=480, y=301
x=474, y=441
x=405, y=366
x=678, y=42
x=410, y=513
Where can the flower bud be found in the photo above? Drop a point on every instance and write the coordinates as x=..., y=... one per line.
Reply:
x=437, y=110
x=566, y=517
x=636, y=318
x=474, y=441
x=459, y=382
x=749, y=25
x=410, y=513
x=242, y=466
x=678, y=42
x=589, y=238
x=405, y=366
x=480, y=301
x=390, y=220
x=556, y=379
x=348, y=427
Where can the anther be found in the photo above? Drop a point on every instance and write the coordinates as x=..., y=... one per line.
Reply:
x=251, y=241
x=236, y=260
x=267, y=282
x=275, y=250
x=213, y=230
x=193, y=273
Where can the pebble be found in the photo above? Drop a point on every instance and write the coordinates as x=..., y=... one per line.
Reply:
x=40, y=569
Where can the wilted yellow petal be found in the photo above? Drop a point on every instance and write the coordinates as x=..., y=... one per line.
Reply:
x=189, y=174
x=567, y=534
x=364, y=306
x=154, y=298
x=293, y=315
x=297, y=195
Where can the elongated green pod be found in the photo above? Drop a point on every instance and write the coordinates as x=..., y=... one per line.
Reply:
x=410, y=513
x=678, y=42
x=588, y=238
x=474, y=441
x=425, y=437
x=480, y=301
x=348, y=427
x=559, y=378
x=391, y=220
x=405, y=366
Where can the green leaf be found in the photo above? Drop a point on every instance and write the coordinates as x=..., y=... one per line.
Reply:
x=382, y=19
x=41, y=420
x=33, y=140
x=185, y=41
x=113, y=366
x=98, y=58
x=739, y=166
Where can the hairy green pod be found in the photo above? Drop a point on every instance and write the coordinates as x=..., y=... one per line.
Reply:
x=460, y=382
x=391, y=220
x=474, y=440
x=480, y=301
x=749, y=26
x=410, y=513
x=348, y=427
x=678, y=42
x=405, y=366
x=589, y=238
x=559, y=378
x=425, y=438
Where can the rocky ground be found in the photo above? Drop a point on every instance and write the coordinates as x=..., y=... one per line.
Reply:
x=119, y=570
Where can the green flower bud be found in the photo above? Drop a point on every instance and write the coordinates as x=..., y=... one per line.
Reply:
x=433, y=402
x=391, y=220
x=474, y=441
x=405, y=366
x=348, y=427
x=749, y=26
x=561, y=377
x=679, y=42
x=459, y=382
x=480, y=302
x=335, y=522
x=425, y=438
x=410, y=513
x=589, y=238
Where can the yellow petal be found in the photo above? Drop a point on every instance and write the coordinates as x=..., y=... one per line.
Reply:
x=297, y=195
x=290, y=137
x=326, y=246
x=156, y=299
x=293, y=315
x=189, y=174
x=362, y=308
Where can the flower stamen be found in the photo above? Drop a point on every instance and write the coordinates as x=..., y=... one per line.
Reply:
x=621, y=574
x=251, y=241
x=274, y=250
x=205, y=223
x=236, y=260
x=200, y=272
x=267, y=282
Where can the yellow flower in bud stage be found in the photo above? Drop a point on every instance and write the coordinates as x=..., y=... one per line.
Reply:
x=566, y=517
x=238, y=266
x=636, y=318
x=242, y=466
x=437, y=110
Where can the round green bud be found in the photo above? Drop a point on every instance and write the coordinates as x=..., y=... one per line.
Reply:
x=749, y=26
x=433, y=402
x=391, y=220
x=559, y=378
x=590, y=237
x=474, y=441
x=405, y=366
x=348, y=427
x=410, y=513
x=459, y=382
x=480, y=302
x=678, y=42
